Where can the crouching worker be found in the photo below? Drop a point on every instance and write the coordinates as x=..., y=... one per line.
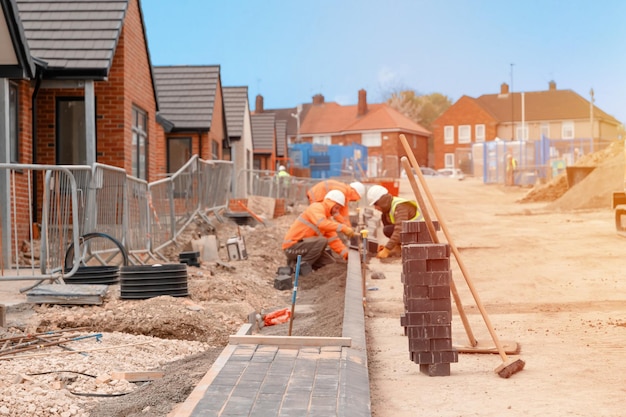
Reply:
x=394, y=211
x=314, y=229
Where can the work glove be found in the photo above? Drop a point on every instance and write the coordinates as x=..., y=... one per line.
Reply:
x=348, y=231
x=384, y=253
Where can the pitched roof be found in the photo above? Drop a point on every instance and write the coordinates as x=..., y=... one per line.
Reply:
x=77, y=35
x=187, y=94
x=235, y=102
x=16, y=61
x=540, y=105
x=332, y=118
x=263, y=125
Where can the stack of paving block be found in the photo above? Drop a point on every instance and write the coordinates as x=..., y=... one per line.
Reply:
x=427, y=319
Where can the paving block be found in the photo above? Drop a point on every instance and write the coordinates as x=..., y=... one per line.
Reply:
x=283, y=282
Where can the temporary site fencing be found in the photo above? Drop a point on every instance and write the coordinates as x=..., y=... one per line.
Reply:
x=55, y=218
x=265, y=183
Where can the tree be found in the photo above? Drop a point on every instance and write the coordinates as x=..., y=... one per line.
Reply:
x=422, y=109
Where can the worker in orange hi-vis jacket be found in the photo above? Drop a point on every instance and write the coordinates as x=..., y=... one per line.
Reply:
x=315, y=229
x=352, y=192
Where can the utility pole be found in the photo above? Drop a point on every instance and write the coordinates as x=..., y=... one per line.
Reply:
x=591, y=115
x=512, y=106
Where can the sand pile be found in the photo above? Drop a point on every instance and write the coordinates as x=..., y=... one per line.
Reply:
x=594, y=191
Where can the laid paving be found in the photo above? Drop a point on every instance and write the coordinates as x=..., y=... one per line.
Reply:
x=286, y=377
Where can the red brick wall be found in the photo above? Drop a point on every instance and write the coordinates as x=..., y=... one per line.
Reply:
x=138, y=90
x=217, y=133
x=464, y=112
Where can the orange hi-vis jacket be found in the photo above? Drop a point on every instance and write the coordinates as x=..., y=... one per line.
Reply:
x=319, y=191
x=316, y=221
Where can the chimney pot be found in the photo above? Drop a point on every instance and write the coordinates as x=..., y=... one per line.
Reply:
x=362, y=106
x=258, y=104
x=318, y=99
x=552, y=85
x=504, y=88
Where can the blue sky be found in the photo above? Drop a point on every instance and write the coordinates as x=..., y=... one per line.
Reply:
x=288, y=51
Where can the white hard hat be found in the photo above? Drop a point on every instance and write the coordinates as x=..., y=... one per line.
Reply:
x=281, y=168
x=336, y=196
x=359, y=188
x=375, y=193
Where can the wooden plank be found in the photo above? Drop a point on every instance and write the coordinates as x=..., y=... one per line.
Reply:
x=137, y=376
x=289, y=341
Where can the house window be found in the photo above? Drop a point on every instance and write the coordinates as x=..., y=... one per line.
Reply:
x=178, y=153
x=449, y=160
x=545, y=130
x=567, y=130
x=140, y=140
x=13, y=118
x=465, y=134
x=521, y=132
x=215, y=150
x=448, y=135
x=480, y=133
x=371, y=139
x=71, y=133
x=321, y=140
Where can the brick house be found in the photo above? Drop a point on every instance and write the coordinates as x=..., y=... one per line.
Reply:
x=192, y=101
x=93, y=94
x=375, y=126
x=553, y=114
x=85, y=93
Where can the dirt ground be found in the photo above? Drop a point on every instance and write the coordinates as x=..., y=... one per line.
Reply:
x=550, y=274
x=544, y=261
x=221, y=297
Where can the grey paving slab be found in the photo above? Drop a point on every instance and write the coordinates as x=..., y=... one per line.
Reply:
x=306, y=381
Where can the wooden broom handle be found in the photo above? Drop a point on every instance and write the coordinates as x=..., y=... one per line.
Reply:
x=455, y=251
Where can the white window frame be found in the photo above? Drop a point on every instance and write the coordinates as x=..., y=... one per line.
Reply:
x=448, y=135
x=479, y=133
x=567, y=130
x=322, y=140
x=465, y=134
x=371, y=139
x=140, y=143
x=521, y=132
x=448, y=160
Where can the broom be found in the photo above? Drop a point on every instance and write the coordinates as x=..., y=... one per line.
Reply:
x=508, y=367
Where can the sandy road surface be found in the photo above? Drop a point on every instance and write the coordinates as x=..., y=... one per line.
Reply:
x=554, y=282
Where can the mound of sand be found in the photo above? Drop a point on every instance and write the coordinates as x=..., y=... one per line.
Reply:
x=594, y=191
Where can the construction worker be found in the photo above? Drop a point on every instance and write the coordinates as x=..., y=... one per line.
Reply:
x=352, y=192
x=394, y=211
x=511, y=166
x=315, y=229
x=282, y=171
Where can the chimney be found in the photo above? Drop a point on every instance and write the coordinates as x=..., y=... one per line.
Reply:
x=318, y=99
x=362, y=106
x=504, y=88
x=552, y=85
x=259, y=104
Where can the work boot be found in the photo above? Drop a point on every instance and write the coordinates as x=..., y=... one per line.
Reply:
x=396, y=251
